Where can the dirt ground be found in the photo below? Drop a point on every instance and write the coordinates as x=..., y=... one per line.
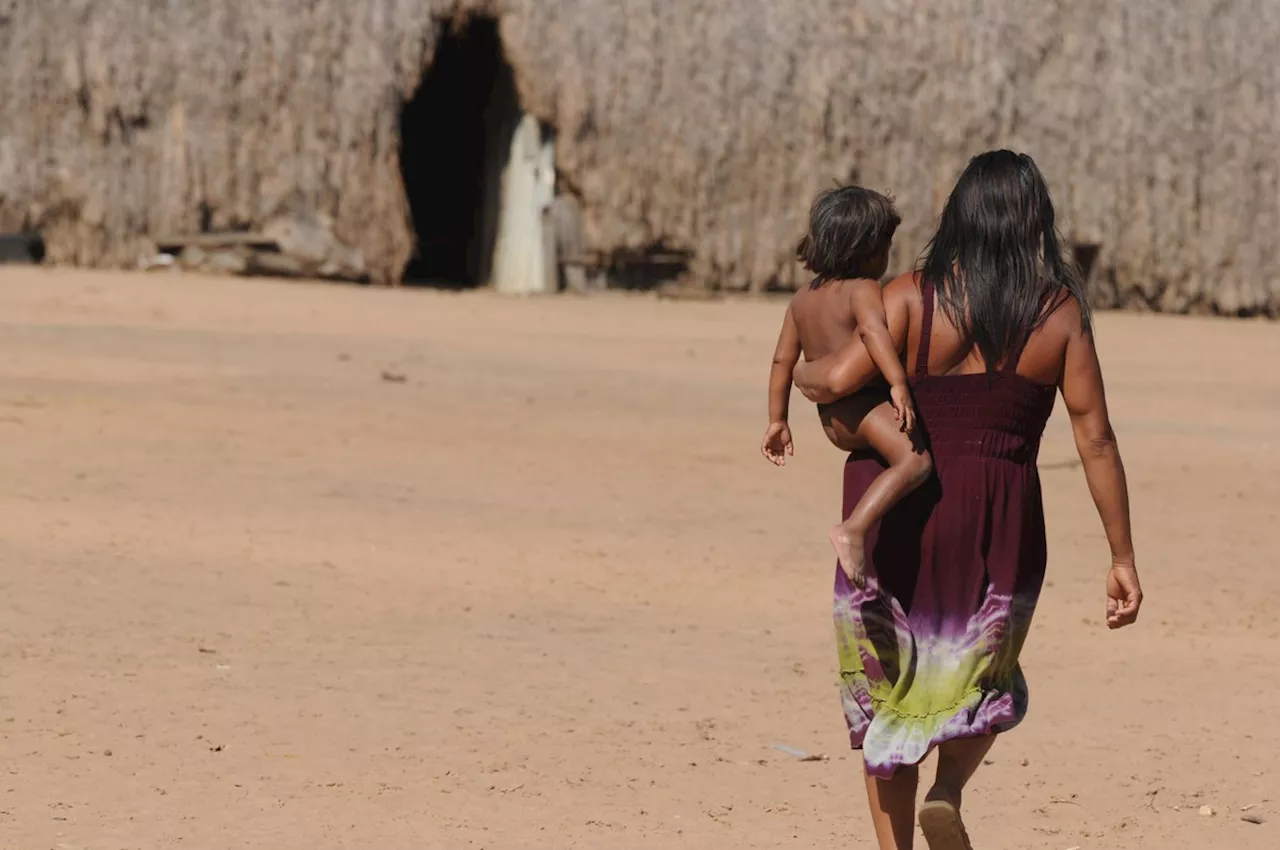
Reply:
x=292, y=566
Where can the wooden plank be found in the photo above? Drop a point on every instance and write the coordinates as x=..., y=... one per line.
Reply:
x=600, y=261
x=654, y=259
x=228, y=239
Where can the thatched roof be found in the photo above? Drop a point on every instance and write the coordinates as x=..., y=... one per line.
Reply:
x=703, y=125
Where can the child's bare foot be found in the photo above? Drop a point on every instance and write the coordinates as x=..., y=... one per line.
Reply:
x=849, y=549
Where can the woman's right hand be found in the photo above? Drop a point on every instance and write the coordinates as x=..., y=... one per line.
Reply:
x=903, y=407
x=1124, y=594
x=807, y=380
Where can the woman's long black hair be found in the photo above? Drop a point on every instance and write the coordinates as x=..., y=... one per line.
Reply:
x=996, y=262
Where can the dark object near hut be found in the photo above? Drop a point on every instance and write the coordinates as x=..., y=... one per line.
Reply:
x=21, y=248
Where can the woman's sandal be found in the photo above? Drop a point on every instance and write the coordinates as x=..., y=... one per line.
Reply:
x=942, y=826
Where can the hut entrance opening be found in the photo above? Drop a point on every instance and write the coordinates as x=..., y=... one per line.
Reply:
x=454, y=139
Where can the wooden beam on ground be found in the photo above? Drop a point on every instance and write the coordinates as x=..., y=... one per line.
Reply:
x=229, y=239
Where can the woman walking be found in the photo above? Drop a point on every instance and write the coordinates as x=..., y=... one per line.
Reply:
x=995, y=323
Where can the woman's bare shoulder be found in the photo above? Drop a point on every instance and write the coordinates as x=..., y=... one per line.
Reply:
x=1045, y=356
x=903, y=289
x=1064, y=316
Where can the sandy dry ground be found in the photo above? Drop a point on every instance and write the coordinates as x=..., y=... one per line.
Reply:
x=545, y=593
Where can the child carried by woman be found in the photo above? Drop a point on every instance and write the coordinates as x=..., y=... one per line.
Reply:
x=847, y=250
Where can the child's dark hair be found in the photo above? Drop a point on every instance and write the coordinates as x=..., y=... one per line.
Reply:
x=848, y=226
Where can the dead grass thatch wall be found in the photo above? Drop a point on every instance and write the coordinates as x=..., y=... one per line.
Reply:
x=703, y=125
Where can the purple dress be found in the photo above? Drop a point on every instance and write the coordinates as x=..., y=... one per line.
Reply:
x=929, y=648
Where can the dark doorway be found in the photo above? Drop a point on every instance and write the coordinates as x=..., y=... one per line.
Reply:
x=454, y=133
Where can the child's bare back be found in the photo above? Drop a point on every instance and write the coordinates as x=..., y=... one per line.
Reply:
x=825, y=322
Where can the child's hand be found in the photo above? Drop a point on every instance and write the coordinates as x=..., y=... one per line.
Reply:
x=777, y=443
x=903, y=407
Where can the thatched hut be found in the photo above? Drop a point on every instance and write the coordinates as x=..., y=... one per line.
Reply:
x=695, y=130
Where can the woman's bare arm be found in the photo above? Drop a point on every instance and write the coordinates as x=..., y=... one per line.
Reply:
x=848, y=370
x=1085, y=398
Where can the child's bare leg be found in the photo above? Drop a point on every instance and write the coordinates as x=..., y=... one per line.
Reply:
x=907, y=471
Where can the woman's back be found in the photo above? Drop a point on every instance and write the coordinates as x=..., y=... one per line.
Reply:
x=951, y=353
x=967, y=409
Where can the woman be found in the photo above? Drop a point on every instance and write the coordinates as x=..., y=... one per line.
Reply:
x=995, y=322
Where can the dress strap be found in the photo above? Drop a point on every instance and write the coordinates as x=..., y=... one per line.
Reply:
x=926, y=330
x=1015, y=354
x=1011, y=360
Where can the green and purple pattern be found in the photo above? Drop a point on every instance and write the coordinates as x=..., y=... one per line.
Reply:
x=929, y=647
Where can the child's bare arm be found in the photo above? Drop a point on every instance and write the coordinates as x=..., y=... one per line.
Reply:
x=850, y=368
x=873, y=328
x=777, y=439
x=785, y=357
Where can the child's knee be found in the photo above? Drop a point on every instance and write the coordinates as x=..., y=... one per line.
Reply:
x=918, y=466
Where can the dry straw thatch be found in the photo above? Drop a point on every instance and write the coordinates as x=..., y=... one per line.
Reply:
x=703, y=125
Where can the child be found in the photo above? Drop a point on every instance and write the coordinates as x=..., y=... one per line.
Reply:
x=847, y=249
